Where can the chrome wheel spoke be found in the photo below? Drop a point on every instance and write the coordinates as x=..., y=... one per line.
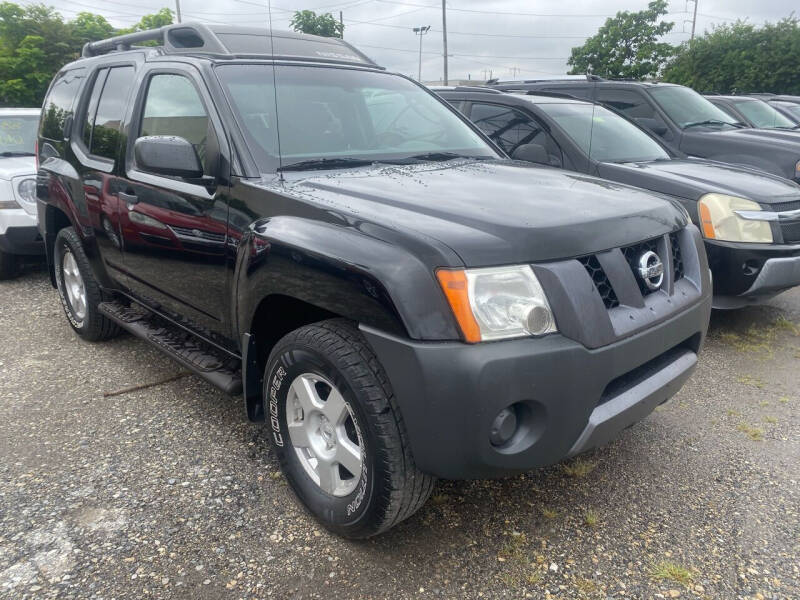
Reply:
x=335, y=408
x=348, y=455
x=298, y=433
x=328, y=474
x=73, y=285
x=306, y=394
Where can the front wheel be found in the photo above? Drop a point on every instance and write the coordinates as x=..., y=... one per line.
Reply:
x=338, y=433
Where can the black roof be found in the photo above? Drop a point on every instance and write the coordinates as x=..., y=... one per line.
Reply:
x=228, y=41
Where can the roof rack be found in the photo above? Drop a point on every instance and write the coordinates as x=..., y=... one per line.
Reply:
x=587, y=77
x=231, y=41
x=550, y=94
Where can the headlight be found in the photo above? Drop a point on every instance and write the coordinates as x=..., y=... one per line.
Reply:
x=497, y=303
x=797, y=170
x=142, y=219
x=720, y=221
x=27, y=190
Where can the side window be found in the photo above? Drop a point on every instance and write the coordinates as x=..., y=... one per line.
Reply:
x=631, y=104
x=173, y=107
x=510, y=129
x=106, y=110
x=58, y=104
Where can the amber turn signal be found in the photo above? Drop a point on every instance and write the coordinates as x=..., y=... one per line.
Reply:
x=454, y=286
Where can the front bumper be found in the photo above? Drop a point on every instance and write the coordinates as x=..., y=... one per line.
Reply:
x=751, y=273
x=570, y=398
x=19, y=234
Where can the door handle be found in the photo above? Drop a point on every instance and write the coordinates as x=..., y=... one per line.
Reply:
x=129, y=199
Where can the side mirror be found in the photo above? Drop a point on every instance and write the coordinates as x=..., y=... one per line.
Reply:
x=653, y=125
x=167, y=155
x=531, y=153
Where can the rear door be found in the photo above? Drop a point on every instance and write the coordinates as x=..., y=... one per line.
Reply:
x=174, y=232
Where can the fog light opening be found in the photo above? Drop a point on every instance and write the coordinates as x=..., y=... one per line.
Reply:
x=504, y=426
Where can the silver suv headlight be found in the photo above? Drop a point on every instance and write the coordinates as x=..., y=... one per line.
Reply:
x=732, y=219
x=25, y=193
x=497, y=303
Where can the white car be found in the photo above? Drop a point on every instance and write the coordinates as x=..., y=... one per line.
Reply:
x=19, y=235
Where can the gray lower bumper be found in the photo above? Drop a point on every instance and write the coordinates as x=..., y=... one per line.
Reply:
x=630, y=407
x=776, y=275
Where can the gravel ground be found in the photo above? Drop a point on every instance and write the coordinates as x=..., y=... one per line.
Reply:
x=167, y=492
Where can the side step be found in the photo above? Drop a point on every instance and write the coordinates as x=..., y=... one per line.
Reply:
x=206, y=361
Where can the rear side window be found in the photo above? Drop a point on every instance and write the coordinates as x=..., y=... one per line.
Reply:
x=173, y=107
x=110, y=110
x=631, y=104
x=59, y=101
x=510, y=129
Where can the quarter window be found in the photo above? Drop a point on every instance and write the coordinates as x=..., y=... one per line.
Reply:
x=58, y=104
x=173, y=107
x=631, y=104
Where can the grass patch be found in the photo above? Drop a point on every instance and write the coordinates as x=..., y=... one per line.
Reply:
x=748, y=380
x=579, y=468
x=276, y=475
x=733, y=413
x=758, y=339
x=770, y=420
x=783, y=400
x=549, y=513
x=754, y=433
x=514, y=548
x=439, y=499
x=668, y=571
x=591, y=519
x=585, y=586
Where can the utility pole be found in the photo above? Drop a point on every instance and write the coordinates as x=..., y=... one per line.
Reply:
x=420, y=31
x=341, y=23
x=178, y=10
x=694, y=19
x=444, y=39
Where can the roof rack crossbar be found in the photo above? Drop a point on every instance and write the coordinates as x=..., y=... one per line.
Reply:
x=122, y=42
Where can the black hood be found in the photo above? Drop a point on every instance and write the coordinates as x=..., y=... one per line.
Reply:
x=690, y=179
x=494, y=212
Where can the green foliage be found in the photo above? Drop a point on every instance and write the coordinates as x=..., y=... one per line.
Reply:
x=627, y=45
x=307, y=21
x=36, y=41
x=741, y=58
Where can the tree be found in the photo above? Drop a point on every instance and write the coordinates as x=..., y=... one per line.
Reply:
x=36, y=41
x=627, y=45
x=741, y=58
x=307, y=21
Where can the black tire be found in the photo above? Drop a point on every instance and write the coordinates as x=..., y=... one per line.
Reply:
x=9, y=265
x=93, y=326
x=390, y=487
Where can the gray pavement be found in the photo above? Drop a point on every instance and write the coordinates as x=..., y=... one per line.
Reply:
x=167, y=492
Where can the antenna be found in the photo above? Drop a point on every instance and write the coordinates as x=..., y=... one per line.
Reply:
x=275, y=91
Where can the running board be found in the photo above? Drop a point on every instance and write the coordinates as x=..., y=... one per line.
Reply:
x=202, y=359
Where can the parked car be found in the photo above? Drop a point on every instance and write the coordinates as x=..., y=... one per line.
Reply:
x=788, y=106
x=750, y=219
x=684, y=121
x=753, y=112
x=400, y=302
x=19, y=236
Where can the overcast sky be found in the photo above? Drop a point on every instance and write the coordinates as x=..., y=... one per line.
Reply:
x=483, y=35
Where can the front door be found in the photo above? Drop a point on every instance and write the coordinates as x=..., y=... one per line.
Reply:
x=174, y=232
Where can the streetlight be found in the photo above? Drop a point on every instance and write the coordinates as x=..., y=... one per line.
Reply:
x=420, y=31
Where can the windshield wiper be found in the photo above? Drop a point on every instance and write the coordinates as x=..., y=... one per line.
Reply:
x=440, y=157
x=7, y=154
x=327, y=163
x=736, y=124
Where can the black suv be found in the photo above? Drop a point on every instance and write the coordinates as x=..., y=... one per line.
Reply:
x=684, y=120
x=390, y=293
x=753, y=112
x=750, y=219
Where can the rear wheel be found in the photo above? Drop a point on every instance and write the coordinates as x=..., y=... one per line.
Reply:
x=78, y=290
x=338, y=433
x=9, y=265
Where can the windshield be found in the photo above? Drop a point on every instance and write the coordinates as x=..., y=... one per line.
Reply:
x=685, y=107
x=18, y=134
x=603, y=135
x=335, y=114
x=762, y=115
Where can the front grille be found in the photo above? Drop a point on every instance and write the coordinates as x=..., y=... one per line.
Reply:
x=791, y=232
x=632, y=255
x=677, y=258
x=601, y=282
x=197, y=235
